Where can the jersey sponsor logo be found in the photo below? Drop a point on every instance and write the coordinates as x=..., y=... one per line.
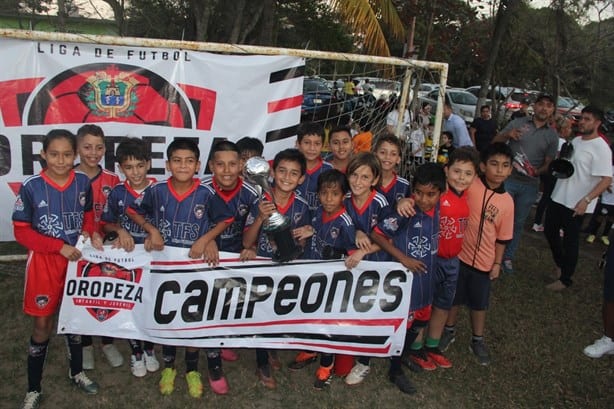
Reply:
x=419, y=247
x=242, y=209
x=446, y=203
x=418, y=225
x=42, y=204
x=447, y=227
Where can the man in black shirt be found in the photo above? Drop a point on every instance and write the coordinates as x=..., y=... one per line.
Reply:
x=483, y=129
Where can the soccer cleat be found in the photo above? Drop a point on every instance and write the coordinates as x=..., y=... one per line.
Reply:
x=402, y=382
x=447, y=338
x=112, y=354
x=302, y=359
x=358, y=374
x=88, y=357
x=32, y=400
x=421, y=359
x=590, y=239
x=229, y=355
x=217, y=381
x=603, y=346
x=137, y=366
x=265, y=377
x=195, y=384
x=537, y=227
x=605, y=240
x=151, y=362
x=167, y=381
x=324, y=375
x=435, y=355
x=84, y=383
x=480, y=350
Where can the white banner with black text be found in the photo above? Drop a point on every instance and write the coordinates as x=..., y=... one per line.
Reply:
x=167, y=298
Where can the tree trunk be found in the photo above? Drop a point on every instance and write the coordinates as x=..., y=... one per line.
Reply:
x=62, y=16
x=119, y=13
x=238, y=9
x=268, y=23
x=504, y=15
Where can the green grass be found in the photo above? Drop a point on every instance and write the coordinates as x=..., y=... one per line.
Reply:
x=536, y=340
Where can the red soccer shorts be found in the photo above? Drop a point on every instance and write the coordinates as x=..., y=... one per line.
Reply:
x=44, y=284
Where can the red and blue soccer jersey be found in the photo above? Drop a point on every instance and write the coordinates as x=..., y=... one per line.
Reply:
x=453, y=218
x=102, y=184
x=118, y=202
x=181, y=219
x=241, y=201
x=397, y=189
x=331, y=234
x=297, y=209
x=53, y=210
x=417, y=237
x=309, y=188
x=368, y=216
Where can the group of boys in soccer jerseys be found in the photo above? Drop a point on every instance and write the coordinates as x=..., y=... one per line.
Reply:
x=355, y=209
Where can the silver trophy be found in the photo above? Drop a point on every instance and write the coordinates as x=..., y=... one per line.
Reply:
x=277, y=227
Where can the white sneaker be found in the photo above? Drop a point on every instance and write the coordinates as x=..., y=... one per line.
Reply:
x=137, y=366
x=537, y=227
x=112, y=354
x=32, y=400
x=151, y=362
x=601, y=347
x=358, y=374
x=88, y=357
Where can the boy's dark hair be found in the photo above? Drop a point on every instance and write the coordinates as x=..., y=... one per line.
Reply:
x=496, y=148
x=465, y=154
x=331, y=178
x=389, y=138
x=251, y=145
x=291, y=155
x=182, y=143
x=132, y=148
x=90, y=129
x=484, y=106
x=223, y=146
x=60, y=134
x=430, y=174
x=309, y=128
x=365, y=159
x=449, y=134
x=336, y=129
x=594, y=111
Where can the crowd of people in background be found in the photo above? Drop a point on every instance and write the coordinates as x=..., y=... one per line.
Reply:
x=468, y=212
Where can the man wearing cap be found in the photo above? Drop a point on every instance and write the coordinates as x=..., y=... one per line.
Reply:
x=576, y=195
x=534, y=145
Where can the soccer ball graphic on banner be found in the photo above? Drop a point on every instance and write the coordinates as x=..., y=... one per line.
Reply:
x=110, y=92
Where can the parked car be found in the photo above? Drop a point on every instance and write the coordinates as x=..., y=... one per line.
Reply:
x=379, y=87
x=463, y=103
x=319, y=100
x=507, y=100
x=425, y=88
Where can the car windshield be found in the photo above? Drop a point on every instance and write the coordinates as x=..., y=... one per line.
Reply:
x=565, y=103
x=314, y=86
x=463, y=98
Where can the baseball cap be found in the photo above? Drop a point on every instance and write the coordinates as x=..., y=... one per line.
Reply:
x=542, y=97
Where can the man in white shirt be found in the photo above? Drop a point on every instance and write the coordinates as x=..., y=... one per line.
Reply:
x=577, y=195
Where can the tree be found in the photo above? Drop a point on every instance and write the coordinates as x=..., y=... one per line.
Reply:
x=366, y=19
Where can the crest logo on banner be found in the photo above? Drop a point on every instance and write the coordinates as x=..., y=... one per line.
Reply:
x=104, y=309
x=111, y=95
